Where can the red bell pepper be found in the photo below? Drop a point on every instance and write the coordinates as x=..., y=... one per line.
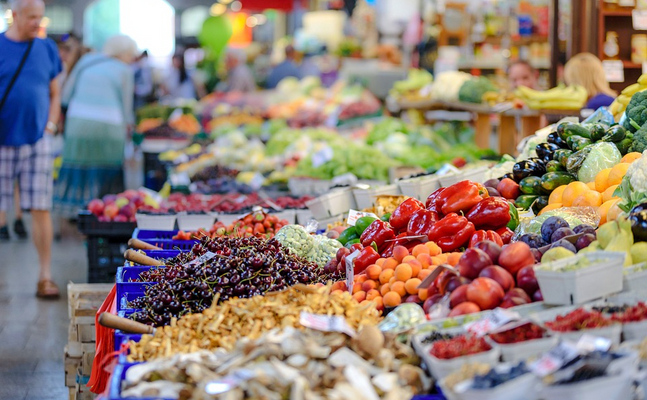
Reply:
x=433, y=203
x=379, y=232
x=462, y=196
x=506, y=234
x=421, y=222
x=480, y=236
x=490, y=214
x=366, y=257
x=403, y=213
x=452, y=232
x=356, y=246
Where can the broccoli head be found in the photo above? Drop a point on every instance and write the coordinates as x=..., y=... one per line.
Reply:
x=472, y=91
x=636, y=112
x=640, y=140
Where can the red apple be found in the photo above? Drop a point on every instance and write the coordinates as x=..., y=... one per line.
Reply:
x=110, y=211
x=526, y=280
x=465, y=308
x=515, y=297
x=537, y=296
x=472, y=262
x=500, y=275
x=455, y=282
x=128, y=210
x=138, y=201
x=485, y=292
x=433, y=290
x=96, y=207
x=516, y=256
x=458, y=296
x=430, y=302
x=130, y=194
x=490, y=248
x=120, y=218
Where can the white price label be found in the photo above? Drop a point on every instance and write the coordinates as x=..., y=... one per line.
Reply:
x=589, y=343
x=326, y=323
x=614, y=70
x=201, y=260
x=322, y=156
x=496, y=319
x=639, y=19
x=350, y=270
x=557, y=357
x=354, y=215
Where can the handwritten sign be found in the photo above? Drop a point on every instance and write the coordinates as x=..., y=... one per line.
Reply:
x=354, y=215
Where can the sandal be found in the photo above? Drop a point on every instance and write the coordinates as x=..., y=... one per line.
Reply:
x=47, y=289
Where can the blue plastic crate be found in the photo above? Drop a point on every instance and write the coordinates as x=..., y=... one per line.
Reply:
x=167, y=244
x=156, y=254
x=126, y=297
x=145, y=234
x=123, y=337
x=125, y=286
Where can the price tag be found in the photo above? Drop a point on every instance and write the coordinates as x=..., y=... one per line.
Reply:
x=322, y=156
x=180, y=179
x=495, y=320
x=326, y=323
x=434, y=274
x=350, y=271
x=639, y=19
x=175, y=115
x=201, y=260
x=589, y=343
x=614, y=71
x=354, y=215
x=557, y=357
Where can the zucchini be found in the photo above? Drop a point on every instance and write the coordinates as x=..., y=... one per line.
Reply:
x=597, y=132
x=551, y=180
x=577, y=143
x=562, y=155
x=614, y=134
x=571, y=129
x=530, y=185
x=525, y=201
x=623, y=145
x=554, y=166
x=539, y=204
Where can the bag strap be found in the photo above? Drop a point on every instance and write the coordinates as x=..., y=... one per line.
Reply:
x=83, y=68
x=15, y=76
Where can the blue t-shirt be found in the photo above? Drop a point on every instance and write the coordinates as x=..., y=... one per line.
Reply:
x=24, y=116
x=599, y=100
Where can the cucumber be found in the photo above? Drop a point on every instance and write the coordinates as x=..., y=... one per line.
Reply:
x=530, y=185
x=551, y=180
x=562, y=155
x=597, y=132
x=554, y=166
x=525, y=201
x=539, y=204
x=577, y=142
x=573, y=129
x=614, y=134
x=623, y=145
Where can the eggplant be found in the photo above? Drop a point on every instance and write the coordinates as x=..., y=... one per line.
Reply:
x=545, y=151
x=508, y=175
x=526, y=168
x=554, y=138
x=638, y=219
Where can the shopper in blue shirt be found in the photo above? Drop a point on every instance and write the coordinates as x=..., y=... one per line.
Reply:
x=29, y=111
x=284, y=69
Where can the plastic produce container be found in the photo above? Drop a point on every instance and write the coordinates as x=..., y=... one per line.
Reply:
x=472, y=174
x=156, y=222
x=525, y=387
x=419, y=188
x=303, y=216
x=288, y=215
x=193, y=222
x=515, y=352
x=604, y=388
x=602, y=277
x=635, y=277
x=337, y=202
x=365, y=198
x=229, y=219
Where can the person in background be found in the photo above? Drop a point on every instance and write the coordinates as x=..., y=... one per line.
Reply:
x=586, y=70
x=309, y=67
x=70, y=49
x=99, y=99
x=179, y=83
x=29, y=109
x=284, y=69
x=144, y=89
x=520, y=73
x=239, y=76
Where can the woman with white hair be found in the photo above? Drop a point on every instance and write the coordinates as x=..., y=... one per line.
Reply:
x=98, y=96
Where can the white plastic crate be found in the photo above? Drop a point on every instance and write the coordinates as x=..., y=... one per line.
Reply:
x=193, y=222
x=611, y=332
x=228, y=219
x=323, y=223
x=602, y=277
x=419, y=188
x=634, y=330
x=525, y=387
x=473, y=174
x=635, y=277
x=336, y=202
x=301, y=186
x=303, y=216
x=288, y=215
x=515, y=352
x=604, y=388
x=365, y=198
x=156, y=222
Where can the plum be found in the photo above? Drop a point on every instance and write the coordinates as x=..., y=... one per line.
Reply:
x=493, y=192
x=551, y=225
x=584, y=241
x=533, y=240
x=560, y=234
x=565, y=244
x=584, y=228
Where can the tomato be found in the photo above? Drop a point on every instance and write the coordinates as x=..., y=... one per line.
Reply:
x=508, y=189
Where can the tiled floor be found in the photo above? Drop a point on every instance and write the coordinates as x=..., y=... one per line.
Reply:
x=33, y=332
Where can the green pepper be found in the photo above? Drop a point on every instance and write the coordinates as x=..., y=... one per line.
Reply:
x=514, y=217
x=386, y=217
x=348, y=235
x=362, y=223
x=525, y=201
x=350, y=243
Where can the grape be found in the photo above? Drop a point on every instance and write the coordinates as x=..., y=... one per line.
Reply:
x=565, y=244
x=560, y=234
x=551, y=225
x=584, y=241
x=533, y=240
x=584, y=228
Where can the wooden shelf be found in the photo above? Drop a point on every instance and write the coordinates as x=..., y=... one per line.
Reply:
x=631, y=65
x=617, y=13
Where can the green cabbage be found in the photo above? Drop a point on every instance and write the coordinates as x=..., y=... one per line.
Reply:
x=603, y=155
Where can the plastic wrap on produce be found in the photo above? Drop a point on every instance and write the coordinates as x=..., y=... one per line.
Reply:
x=600, y=116
x=403, y=318
x=602, y=155
x=573, y=215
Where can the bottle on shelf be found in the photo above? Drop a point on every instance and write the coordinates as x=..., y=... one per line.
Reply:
x=611, y=47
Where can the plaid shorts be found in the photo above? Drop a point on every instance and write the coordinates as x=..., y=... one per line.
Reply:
x=31, y=166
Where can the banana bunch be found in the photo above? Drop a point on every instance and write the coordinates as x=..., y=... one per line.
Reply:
x=620, y=103
x=558, y=98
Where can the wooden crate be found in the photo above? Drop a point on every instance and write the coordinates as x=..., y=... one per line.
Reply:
x=71, y=367
x=72, y=393
x=85, y=333
x=90, y=293
x=86, y=363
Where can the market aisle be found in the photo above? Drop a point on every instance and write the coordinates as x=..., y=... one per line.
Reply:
x=33, y=332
